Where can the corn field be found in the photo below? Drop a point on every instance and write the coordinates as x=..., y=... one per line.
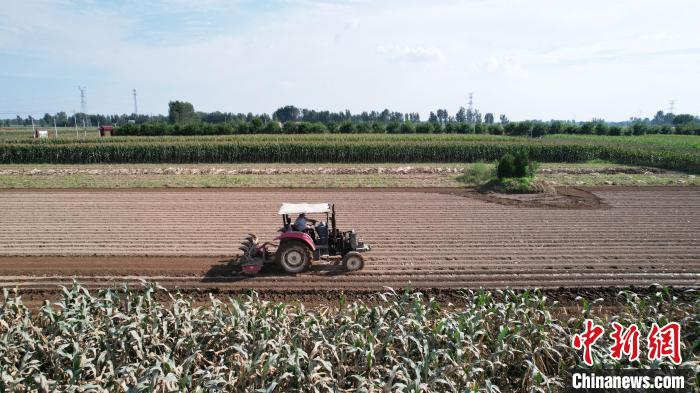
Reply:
x=156, y=341
x=303, y=152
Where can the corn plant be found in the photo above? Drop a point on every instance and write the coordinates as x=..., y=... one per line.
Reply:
x=303, y=151
x=150, y=339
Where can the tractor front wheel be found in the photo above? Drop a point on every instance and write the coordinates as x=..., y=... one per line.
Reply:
x=353, y=261
x=294, y=256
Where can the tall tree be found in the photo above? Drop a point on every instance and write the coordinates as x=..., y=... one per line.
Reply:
x=287, y=113
x=488, y=118
x=461, y=115
x=181, y=112
x=433, y=117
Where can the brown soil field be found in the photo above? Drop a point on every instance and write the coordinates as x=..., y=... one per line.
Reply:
x=437, y=239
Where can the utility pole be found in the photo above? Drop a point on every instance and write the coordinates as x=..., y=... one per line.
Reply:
x=136, y=107
x=55, y=130
x=75, y=119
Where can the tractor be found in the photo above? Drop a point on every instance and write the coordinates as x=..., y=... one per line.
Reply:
x=299, y=247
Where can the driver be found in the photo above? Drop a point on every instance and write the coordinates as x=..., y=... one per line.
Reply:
x=301, y=223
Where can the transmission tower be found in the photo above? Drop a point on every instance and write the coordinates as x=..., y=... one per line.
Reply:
x=671, y=105
x=83, y=101
x=471, y=101
x=136, y=107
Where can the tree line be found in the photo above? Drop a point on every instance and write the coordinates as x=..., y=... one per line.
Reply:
x=183, y=119
x=533, y=129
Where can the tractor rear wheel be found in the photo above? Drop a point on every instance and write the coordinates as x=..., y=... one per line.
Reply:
x=294, y=256
x=353, y=261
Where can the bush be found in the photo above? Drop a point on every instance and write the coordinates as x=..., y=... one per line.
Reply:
x=362, y=128
x=495, y=129
x=539, y=129
x=477, y=174
x=424, y=128
x=393, y=128
x=615, y=130
x=408, y=128
x=506, y=166
x=639, y=128
x=515, y=165
x=517, y=185
x=346, y=128
x=521, y=165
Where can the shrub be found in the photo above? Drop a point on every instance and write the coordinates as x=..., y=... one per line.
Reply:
x=539, y=129
x=407, y=128
x=393, y=128
x=362, y=128
x=495, y=129
x=272, y=127
x=346, y=128
x=506, y=166
x=521, y=164
x=515, y=164
x=639, y=128
x=517, y=185
x=424, y=128
x=615, y=130
x=477, y=174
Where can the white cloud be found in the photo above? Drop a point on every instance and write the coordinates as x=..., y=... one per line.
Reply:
x=408, y=56
x=412, y=54
x=506, y=65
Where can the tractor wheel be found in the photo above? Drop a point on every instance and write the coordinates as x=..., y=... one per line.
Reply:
x=294, y=256
x=353, y=261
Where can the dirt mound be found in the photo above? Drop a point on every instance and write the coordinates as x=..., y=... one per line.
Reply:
x=551, y=198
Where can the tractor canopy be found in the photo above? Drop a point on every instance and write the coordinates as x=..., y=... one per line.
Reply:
x=296, y=208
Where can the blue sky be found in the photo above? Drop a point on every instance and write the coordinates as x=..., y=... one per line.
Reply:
x=527, y=59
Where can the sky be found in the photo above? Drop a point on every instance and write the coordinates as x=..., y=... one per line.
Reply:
x=537, y=59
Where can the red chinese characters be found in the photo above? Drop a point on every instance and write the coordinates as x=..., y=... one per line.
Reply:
x=586, y=339
x=662, y=342
x=626, y=342
x=665, y=341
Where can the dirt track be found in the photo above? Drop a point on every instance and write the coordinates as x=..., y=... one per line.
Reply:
x=432, y=240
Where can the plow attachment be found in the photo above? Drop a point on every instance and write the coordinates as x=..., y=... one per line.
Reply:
x=254, y=255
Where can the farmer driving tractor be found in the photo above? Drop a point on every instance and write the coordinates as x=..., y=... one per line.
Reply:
x=301, y=243
x=301, y=224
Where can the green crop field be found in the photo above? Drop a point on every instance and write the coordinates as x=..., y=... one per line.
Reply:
x=674, y=152
x=689, y=143
x=499, y=341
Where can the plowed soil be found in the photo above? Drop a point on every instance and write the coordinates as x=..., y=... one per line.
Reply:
x=435, y=239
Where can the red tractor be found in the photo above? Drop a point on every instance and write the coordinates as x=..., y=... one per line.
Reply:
x=298, y=247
